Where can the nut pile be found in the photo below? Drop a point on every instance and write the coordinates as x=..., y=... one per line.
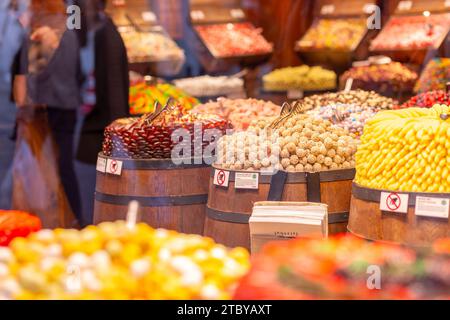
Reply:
x=302, y=77
x=299, y=144
x=144, y=138
x=406, y=150
x=112, y=261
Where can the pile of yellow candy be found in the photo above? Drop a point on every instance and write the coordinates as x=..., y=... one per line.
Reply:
x=406, y=150
x=113, y=261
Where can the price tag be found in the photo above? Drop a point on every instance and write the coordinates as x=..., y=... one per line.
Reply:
x=447, y=3
x=432, y=207
x=405, y=5
x=197, y=15
x=101, y=164
x=295, y=94
x=394, y=202
x=221, y=178
x=246, y=180
x=237, y=13
x=149, y=16
x=114, y=167
x=327, y=9
x=119, y=3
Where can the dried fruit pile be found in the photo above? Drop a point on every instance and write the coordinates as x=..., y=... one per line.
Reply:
x=303, y=78
x=147, y=138
x=406, y=150
x=207, y=86
x=143, y=97
x=240, y=112
x=427, y=100
x=299, y=143
x=233, y=39
x=15, y=224
x=340, y=267
x=435, y=76
x=393, y=76
x=412, y=32
x=112, y=261
x=151, y=46
x=338, y=34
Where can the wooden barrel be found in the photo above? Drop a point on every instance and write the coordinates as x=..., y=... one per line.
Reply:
x=171, y=196
x=369, y=222
x=229, y=209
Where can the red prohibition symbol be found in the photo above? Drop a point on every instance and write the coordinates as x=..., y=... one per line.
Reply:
x=221, y=177
x=113, y=166
x=393, y=201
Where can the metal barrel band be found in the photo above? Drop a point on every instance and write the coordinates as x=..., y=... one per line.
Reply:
x=231, y=217
x=374, y=195
x=160, y=164
x=169, y=201
x=296, y=177
x=338, y=217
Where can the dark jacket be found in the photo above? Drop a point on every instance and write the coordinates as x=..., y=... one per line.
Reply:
x=112, y=88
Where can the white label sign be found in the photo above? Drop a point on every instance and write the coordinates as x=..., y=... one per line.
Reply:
x=101, y=164
x=148, y=16
x=197, y=15
x=114, y=167
x=221, y=178
x=394, y=202
x=432, y=207
x=295, y=94
x=404, y=5
x=327, y=9
x=246, y=180
x=237, y=13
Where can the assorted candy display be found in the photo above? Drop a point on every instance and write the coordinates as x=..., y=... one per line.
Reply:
x=364, y=99
x=233, y=39
x=347, y=109
x=393, y=76
x=298, y=143
x=427, y=100
x=114, y=261
x=150, y=137
x=412, y=32
x=302, y=77
x=435, y=76
x=144, y=96
x=151, y=46
x=240, y=112
x=15, y=224
x=342, y=34
x=406, y=150
x=207, y=86
x=340, y=268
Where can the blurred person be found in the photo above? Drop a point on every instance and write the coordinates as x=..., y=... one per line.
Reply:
x=54, y=82
x=104, y=91
x=13, y=68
